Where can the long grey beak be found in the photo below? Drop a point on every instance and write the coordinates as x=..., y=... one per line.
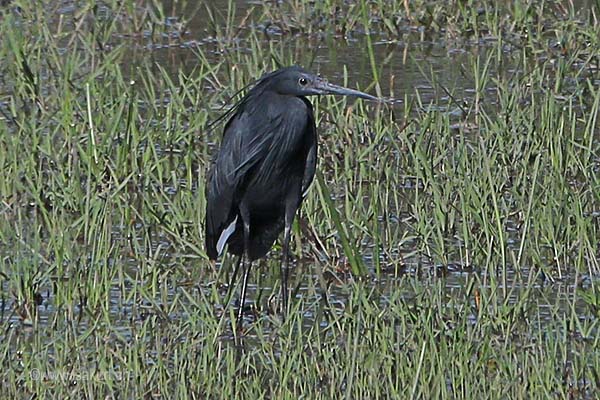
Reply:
x=324, y=87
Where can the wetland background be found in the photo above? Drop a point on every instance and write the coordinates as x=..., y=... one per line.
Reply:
x=449, y=250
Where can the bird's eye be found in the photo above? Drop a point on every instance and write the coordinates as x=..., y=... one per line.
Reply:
x=302, y=81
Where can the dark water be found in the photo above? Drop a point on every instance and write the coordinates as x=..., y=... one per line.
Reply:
x=404, y=64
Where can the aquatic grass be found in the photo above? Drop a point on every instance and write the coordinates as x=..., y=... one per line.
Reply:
x=476, y=231
x=351, y=250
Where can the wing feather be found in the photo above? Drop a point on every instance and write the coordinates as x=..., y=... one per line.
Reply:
x=246, y=142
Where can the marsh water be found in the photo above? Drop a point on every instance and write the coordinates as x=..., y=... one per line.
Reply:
x=415, y=63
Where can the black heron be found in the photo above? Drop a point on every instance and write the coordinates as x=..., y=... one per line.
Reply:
x=263, y=169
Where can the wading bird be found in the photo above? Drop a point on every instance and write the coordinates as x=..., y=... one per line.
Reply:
x=263, y=169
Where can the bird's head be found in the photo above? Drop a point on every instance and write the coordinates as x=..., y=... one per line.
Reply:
x=295, y=81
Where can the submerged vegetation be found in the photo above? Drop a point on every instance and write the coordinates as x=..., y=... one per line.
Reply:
x=449, y=248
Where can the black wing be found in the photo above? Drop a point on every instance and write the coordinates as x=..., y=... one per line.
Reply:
x=241, y=149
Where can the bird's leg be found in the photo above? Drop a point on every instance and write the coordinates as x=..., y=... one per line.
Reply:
x=246, y=267
x=290, y=212
x=284, y=269
x=246, y=263
x=232, y=281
